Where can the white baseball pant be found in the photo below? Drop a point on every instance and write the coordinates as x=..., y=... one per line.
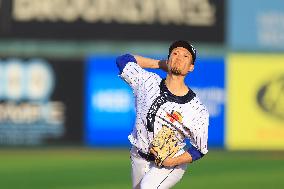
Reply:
x=146, y=175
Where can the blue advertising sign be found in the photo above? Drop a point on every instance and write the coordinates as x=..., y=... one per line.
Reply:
x=256, y=25
x=110, y=113
x=109, y=104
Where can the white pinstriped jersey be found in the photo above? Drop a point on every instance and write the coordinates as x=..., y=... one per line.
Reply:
x=157, y=106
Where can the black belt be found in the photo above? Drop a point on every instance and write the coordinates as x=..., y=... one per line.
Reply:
x=147, y=157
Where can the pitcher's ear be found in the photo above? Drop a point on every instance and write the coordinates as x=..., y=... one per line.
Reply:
x=191, y=68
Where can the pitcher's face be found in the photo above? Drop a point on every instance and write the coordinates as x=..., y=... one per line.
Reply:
x=180, y=61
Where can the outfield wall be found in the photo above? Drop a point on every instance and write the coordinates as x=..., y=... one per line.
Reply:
x=76, y=97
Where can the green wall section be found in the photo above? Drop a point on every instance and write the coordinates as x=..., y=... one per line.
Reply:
x=81, y=49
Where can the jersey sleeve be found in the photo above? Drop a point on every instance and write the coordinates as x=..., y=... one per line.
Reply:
x=130, y=71
x=199, y=138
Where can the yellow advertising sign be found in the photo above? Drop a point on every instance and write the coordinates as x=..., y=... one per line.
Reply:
x=255, y=111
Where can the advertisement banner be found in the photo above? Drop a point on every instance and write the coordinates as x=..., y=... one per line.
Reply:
x=256, y=26
x=136, y=20
x=40, y=101
x=110, y=113
x=255, y=102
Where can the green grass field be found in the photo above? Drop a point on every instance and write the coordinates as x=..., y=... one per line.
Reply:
x=80, y=168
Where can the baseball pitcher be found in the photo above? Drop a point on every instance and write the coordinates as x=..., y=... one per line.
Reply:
x=167, y=112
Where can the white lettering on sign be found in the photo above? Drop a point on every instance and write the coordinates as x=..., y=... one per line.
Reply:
x=178, y=12
x=29, y=113
x=116, y=100
x=270, y=29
